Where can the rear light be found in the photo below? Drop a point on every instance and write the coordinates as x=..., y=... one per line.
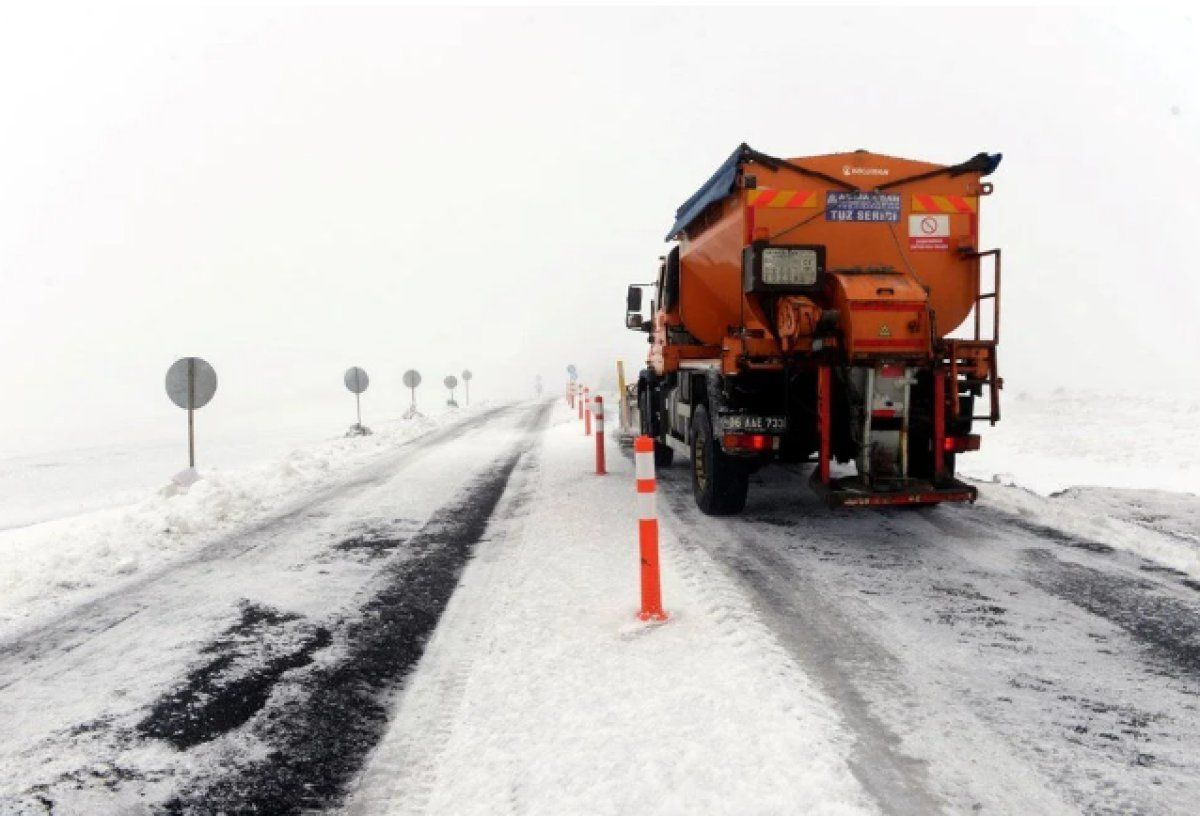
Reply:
x=958, y=444
x=749, y=442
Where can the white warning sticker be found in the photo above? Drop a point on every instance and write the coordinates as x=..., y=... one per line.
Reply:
x=929, y=232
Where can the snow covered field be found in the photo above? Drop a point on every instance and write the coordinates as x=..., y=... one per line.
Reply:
x=46, y=483
x=1051, y=441
x=438, y=619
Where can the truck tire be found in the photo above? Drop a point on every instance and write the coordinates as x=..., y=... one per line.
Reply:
x=719, y=481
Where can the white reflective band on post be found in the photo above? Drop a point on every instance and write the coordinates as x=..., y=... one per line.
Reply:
x=599, y=424
x=644, y=465
x=646, y=506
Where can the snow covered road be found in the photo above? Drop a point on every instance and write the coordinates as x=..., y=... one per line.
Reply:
x=170, y=689
x=449, y=629
x=984, y=660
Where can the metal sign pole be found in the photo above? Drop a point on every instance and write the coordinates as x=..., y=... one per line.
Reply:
x=467, y=386
x=414, y=398
x=191, y=413
x=357, y=381
x=191, y=383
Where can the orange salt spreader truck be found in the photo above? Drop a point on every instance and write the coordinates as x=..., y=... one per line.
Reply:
x=816, y=310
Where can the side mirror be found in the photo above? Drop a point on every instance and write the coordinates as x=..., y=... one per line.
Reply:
x=633, y=299
x=633, y=320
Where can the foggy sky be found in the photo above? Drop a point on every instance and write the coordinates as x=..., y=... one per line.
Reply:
x=288, y=192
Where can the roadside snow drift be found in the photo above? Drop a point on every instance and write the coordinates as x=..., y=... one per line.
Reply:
x=48, y=564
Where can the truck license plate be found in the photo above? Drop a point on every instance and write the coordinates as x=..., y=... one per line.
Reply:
x=744, y=423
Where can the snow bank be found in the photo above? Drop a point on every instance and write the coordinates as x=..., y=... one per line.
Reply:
x=540, y=692
x=68, y=560
x=1158, y=525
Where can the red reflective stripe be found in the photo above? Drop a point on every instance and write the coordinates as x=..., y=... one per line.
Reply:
x=645, y=485
x=765, y=197
x=643, y=444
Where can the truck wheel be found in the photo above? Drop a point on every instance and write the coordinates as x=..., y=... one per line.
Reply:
x=719, y=482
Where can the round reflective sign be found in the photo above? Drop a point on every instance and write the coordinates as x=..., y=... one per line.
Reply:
x=357, y=380
x=450, y=382
x=412, y=378
x=191, y=383
x=572, y=372
x=466, y=375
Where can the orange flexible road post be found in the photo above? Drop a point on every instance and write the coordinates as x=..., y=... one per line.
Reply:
x=582, y=398
x=600, y=471
x=643, y=457
x=570, y=394
x=587, y=414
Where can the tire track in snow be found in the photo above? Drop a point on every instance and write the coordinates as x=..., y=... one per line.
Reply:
x=994, y=519
x=235, y=682
x=77, y=624
x=319, y=735
x=1166, y=626
x=402, y=775
x=1124, y=587
x=897, y=782
x=1074, y=677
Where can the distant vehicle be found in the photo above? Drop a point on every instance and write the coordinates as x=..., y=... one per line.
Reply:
x=806, y=313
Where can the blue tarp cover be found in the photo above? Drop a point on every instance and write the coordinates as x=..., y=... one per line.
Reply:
x=716, y=188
